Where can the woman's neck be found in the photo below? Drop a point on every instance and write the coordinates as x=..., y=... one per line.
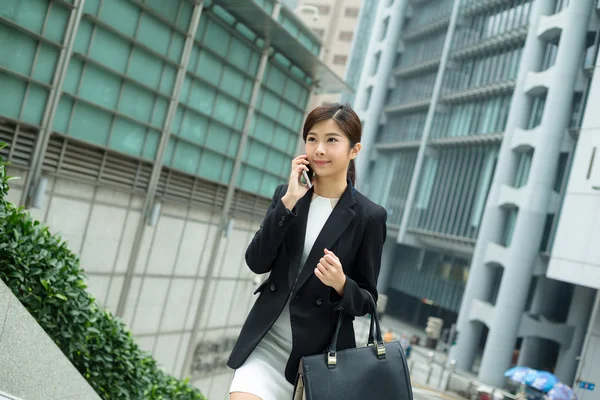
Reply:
x=330, y=187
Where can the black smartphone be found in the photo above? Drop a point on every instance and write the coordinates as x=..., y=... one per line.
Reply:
x=307, y=177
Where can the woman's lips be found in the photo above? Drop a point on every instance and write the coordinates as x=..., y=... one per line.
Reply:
x=320, y=163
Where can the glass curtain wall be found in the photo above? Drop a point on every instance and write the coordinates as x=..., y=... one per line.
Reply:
x=470, y=121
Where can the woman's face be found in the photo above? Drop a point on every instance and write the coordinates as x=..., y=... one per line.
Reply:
x=328, y=149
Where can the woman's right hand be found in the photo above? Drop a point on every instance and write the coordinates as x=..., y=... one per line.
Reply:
x=296, y=190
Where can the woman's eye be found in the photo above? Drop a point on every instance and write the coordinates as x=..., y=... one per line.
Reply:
x=332, y=140
x=311, y=139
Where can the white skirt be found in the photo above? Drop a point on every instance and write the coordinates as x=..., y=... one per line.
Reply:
x=263, y=373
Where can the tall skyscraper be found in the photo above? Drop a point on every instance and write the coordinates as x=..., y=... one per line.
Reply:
x=478, y=116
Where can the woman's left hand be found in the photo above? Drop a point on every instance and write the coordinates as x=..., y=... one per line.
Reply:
x=329, y=270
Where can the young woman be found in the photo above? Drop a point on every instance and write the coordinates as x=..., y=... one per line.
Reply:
x=322, y=247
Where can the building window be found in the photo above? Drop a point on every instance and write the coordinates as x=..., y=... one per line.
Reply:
x=522, y=173
x=483, y=190
x=537, y=111
x=340, y=60
x=376, y=63
x=367, y=97
x=319, y=32
x=509, y=226
x=346, y=36
x=323, y=10
x=426, y=185
x=384, y=29
x=351, y=12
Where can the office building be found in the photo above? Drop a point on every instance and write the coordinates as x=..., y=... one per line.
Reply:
x=151, y=135
x=479, y=119
x=336, y=23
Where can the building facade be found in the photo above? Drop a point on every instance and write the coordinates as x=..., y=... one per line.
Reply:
x=151, y=135
x=335, y=22
x=575, y=256
x=472, y=114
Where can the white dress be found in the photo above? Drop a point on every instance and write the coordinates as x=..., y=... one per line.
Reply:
x=263, y=373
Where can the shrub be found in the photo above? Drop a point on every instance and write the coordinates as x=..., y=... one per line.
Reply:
x=46, y=277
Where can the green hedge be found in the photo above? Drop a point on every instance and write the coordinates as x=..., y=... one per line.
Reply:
x=45, y=276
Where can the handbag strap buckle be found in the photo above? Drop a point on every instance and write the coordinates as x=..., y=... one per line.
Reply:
x=380, y=351
x=331, y=359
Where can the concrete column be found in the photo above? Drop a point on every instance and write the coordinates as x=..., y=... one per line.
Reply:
x=41, y=144
x=378, y=82
x=579, y=316
x=387, y=266
x=479, y=284
x=520, y=256
x=543, y=303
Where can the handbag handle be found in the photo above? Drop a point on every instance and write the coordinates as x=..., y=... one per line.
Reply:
x=375, y=335
x=380, y=349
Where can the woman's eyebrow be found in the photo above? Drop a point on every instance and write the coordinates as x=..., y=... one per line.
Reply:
x=327, y=134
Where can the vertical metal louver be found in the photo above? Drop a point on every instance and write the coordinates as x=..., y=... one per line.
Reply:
x=20, y=142
x=249, y=205
x=182, y=187
x=71, y=158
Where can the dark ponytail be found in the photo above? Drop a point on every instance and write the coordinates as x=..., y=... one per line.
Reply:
x=351, y=174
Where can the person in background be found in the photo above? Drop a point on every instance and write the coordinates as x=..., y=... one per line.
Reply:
x=405, y=343
x=388, y=336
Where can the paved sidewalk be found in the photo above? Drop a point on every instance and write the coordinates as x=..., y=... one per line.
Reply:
x=424, y=374
x=418, y=361
x=422, y=391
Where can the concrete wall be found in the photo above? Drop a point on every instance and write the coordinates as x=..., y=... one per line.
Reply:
x=32, y=367
x=575, y=255
x=99, y=224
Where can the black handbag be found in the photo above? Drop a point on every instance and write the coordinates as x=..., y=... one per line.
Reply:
x=376, y=372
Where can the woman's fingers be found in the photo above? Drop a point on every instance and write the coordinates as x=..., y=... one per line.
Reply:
x=297, y=171
x=300, y=160
x=321, y=268
x=331, y=253
x=319, y=274
x=331, y=260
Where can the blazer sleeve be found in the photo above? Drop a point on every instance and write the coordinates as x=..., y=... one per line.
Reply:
x=261, y=252
x=355, y=301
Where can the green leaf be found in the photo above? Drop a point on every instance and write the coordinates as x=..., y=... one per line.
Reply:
x=61, y=296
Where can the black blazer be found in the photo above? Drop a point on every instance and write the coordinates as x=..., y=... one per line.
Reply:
x=355, y=232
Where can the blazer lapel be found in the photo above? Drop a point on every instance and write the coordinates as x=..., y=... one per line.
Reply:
x=338, y=221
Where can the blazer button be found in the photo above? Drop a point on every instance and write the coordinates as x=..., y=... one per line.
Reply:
x=319, y=302
x=283, y=217
x=272, y=287
x=280, y=223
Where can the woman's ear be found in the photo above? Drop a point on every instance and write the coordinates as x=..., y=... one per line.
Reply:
x=355, y=150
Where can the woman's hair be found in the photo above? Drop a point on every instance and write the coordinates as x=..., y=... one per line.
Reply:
x=345, y=118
